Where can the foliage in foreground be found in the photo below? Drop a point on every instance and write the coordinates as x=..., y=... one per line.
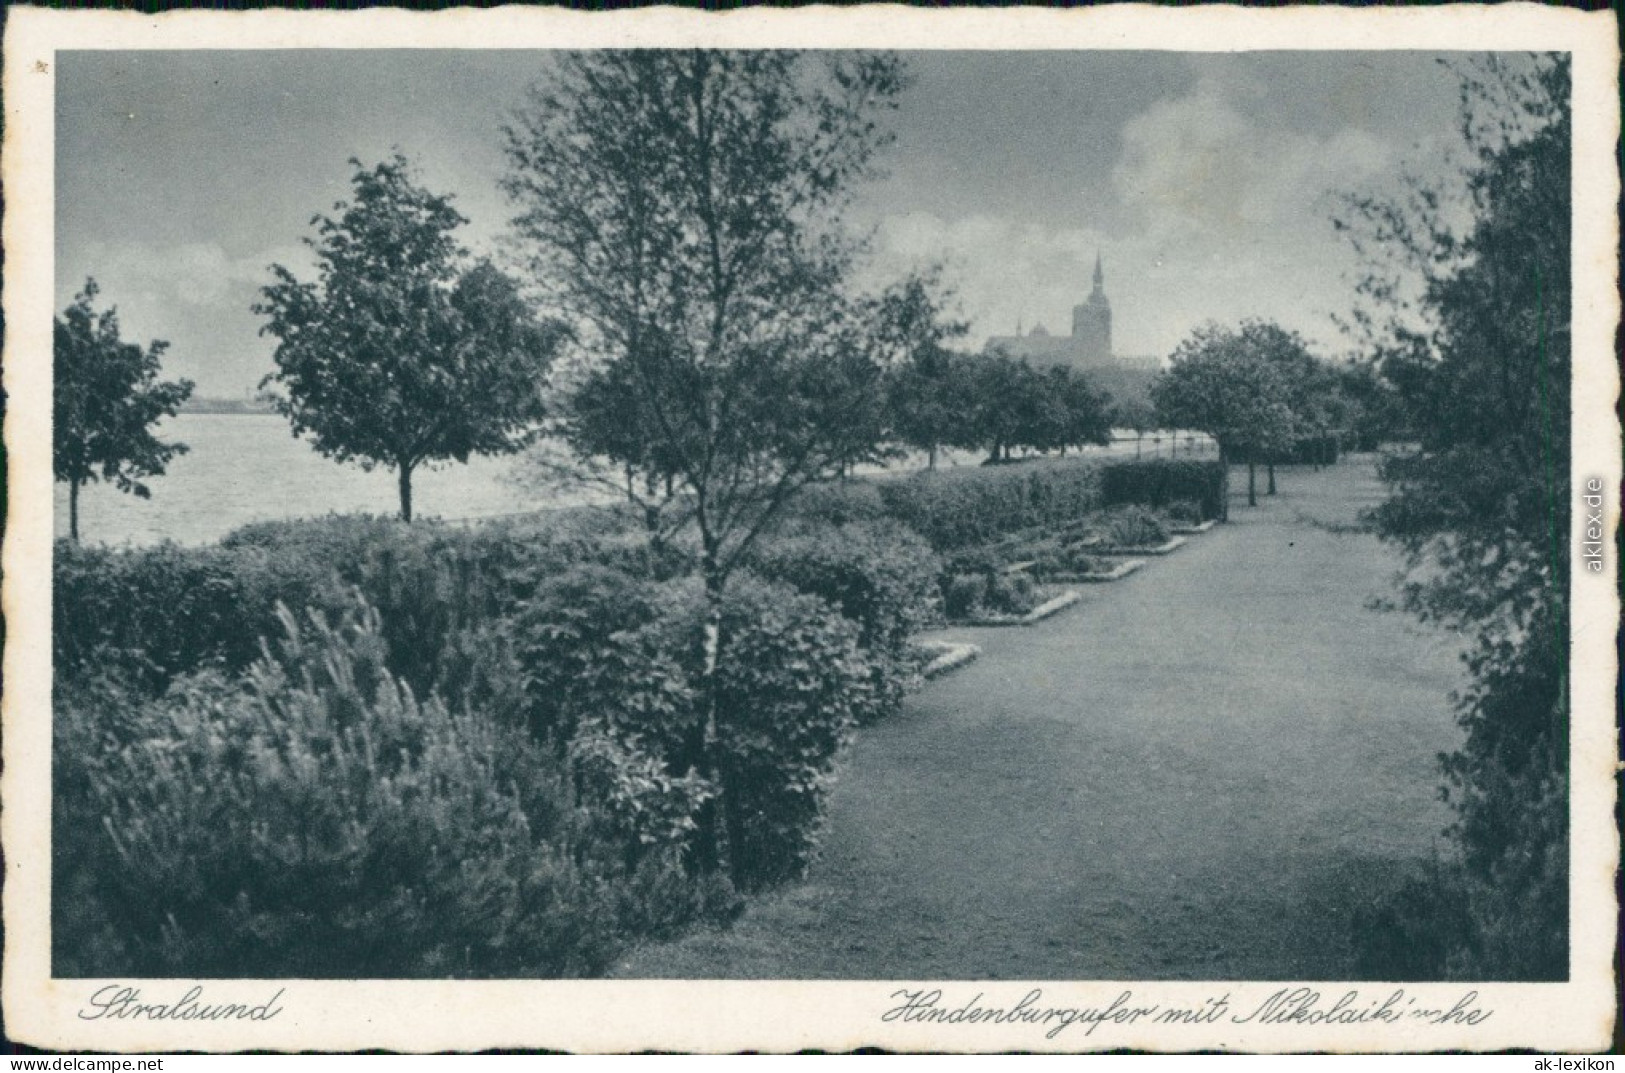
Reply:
x=515, y=749
x=878, y=574
x=316, y=818
x=1478, y=506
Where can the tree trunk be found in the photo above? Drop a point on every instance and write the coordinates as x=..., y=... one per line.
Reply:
x=931, y=458
x=1272, y=476
x=1224, y=490
x=1252, y=482
x=707, y=856
x=404, y=474
x=73, y=510
x=1139, y=437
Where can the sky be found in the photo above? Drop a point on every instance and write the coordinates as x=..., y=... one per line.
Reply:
x=1205, y=181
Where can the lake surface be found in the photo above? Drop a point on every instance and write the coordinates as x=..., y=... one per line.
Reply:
x=248, y=467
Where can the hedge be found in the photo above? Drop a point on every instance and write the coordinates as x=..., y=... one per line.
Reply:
x=961, y=507
x=792, y=683
x=958, y=508
x=168, y=610
x=1159, y=482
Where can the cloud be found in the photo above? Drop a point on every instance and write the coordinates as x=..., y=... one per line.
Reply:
x=1003, y=271
x=189, y=274
x=1194, y=167
x=196, y=295
x=1216, y=214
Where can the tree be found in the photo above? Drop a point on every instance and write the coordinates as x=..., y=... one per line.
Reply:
x=1086, y=411
x=402, y=352
x=1000, y=403
x=1467, y=291
x=926, y=396
x=684, y=212
x=1312, y=393
x=1007, y=403
x=107, y=397
x=1224, y=382
x=1136, y=414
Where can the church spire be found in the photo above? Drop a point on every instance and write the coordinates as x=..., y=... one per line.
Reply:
x=1100, y=275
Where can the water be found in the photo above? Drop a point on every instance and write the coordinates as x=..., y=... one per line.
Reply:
x=247, y=467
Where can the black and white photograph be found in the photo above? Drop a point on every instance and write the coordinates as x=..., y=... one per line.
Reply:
x=639, y=503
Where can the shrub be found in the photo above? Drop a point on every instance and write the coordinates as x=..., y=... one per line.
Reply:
x=1010, y=594
x=1068, y=559
x=1133, y=527
x=956, y=508
x=880, y=575
x=164, y=611
x=570, y=658
x=986, y=559
x=792, y=682
x=1156, y=482
x=169, y=610
x=1184, y=512
x=315, y=818
x=963, y=594
x=838, y=503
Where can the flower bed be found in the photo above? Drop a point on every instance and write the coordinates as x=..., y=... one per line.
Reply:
x=942, y=657
x=1055, y=604
x=1120, y=570
x=1170, y=545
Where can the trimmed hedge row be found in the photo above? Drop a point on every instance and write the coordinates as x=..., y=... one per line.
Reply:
x=1162, y=482
x=164, y=611
x=960, y=508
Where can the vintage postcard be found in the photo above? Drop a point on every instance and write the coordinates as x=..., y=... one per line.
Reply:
x=951, y=530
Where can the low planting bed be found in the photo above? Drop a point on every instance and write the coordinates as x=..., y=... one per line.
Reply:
x=1191, y=530
x=944, y=657
x=1059, y=601
x=1121, y=569
x=992, y=582
x=1167, y=546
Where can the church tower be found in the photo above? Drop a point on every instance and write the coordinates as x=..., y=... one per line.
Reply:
x=1092, y=323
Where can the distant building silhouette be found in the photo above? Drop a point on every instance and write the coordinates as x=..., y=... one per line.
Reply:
x=1089, y=347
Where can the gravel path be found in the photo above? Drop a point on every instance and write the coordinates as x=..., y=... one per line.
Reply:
x=1197, y=772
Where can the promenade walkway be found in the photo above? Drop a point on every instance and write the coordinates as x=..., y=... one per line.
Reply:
x=1198, y=772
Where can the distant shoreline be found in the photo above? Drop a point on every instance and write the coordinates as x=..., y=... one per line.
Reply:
x=226, y=406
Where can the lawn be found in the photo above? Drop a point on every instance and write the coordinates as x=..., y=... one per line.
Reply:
x=1198, y=772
